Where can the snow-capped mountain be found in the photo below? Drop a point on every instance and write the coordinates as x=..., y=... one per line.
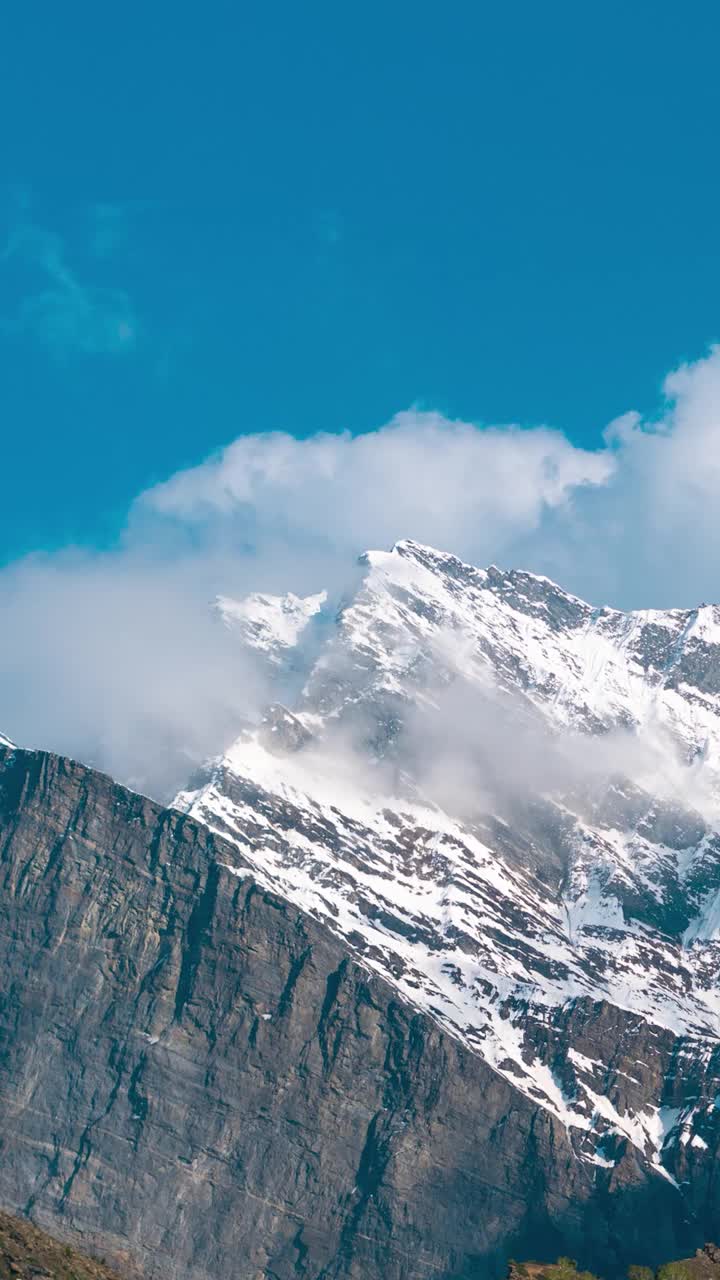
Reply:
x=271, y=625
x=508, y=803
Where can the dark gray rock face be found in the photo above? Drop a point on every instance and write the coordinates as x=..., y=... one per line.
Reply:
x=198, y=1077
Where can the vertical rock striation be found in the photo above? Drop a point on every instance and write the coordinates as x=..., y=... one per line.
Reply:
x=197, y=1077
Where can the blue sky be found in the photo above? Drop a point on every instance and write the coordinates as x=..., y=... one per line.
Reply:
x=235, y=219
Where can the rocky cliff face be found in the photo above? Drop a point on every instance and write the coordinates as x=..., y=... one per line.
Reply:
x=201, y=1078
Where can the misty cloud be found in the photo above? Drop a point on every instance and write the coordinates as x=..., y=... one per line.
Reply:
x=122, y=662
x=117, y=657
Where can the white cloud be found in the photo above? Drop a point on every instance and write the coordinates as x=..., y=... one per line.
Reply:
x=633, y=522
x=449, y=483
x=651, y=536
x=115, y=656
x=118, y=660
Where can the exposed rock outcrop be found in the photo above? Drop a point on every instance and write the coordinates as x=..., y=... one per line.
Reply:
x=26, y=1253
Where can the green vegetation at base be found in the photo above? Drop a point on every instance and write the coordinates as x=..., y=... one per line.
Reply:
x=676, y=1271
x=704, y=1266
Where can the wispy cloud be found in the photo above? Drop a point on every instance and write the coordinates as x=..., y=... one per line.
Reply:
x=66, y=313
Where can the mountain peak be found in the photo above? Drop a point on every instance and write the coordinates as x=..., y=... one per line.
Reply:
x=505, y=800
x=437, y=560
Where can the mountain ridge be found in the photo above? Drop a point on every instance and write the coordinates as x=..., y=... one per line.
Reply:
x=199, y=1076
x=548, y=892
x=479, y=844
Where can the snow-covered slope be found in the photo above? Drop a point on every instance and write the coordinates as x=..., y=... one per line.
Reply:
x=507, y=802
x=271, y=625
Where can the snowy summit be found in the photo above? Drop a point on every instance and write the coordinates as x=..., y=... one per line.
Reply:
x=506, y=801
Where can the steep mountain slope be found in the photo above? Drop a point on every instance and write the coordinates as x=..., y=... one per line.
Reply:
x=196, y=1076
x=506, y=801
x=273, y=625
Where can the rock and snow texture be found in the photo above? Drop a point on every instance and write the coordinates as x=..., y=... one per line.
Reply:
x=573, y=856
x=271, y=625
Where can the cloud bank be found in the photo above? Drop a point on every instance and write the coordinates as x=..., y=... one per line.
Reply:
x=633, y=523
x=457, y=484
x=116, y=657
